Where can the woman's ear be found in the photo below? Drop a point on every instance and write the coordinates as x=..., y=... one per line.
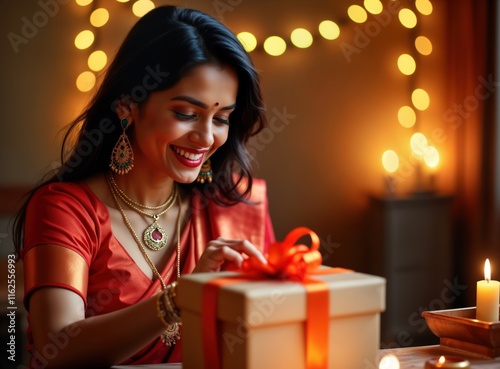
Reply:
x=126, y=109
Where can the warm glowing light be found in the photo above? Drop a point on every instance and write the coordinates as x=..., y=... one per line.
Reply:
x=420, y=99
x=374, y=6
x=123, y=1
x=389, y=362
x=248, y=41
x=84, y=39
x=357, y=14
x=85, y=81
x=407, y=18
x=424, y=6
x=407, y=116
x=441, y=360
x=406, y=64
x=275, y=46
x=418, y=143
x=431, y=157
x=423, y=45
x=97, y=60
x=99, y=17
x=390, y=161
x=83, y=2
x=329, y=30
x=142, y=7
x=487, y=270
x=301, y=38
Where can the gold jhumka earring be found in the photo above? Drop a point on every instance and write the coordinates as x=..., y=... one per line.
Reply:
x=122, y=157
x=205, y=174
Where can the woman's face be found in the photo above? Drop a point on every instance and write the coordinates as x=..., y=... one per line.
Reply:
x=177, y=129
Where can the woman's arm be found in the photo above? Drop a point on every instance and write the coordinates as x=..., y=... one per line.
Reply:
x=58, y=320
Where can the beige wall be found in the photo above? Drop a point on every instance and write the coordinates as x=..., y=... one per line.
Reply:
x=321, y=167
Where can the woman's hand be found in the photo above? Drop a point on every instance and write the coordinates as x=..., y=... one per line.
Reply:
x=221, y=250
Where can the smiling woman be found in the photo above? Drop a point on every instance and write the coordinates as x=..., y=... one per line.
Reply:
x=157, y=184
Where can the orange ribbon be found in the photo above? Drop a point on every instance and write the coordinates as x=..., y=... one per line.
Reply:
x=288, y=262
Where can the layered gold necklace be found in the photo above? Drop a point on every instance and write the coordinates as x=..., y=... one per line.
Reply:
x=172, y=333
x=154, y=237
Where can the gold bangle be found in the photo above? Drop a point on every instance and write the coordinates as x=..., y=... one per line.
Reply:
x=160, y=307
x=172, y=311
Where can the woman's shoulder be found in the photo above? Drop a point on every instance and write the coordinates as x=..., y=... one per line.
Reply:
x=77, y=196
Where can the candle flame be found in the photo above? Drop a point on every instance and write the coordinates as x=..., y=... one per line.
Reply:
x=441, y=360
x=389, y=362
x=487, y=270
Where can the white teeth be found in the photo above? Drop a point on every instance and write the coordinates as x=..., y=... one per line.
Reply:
x=187, y=155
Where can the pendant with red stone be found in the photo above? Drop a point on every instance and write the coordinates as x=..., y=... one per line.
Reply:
x=154, y=236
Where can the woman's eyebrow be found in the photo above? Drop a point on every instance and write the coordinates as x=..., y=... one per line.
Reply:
x=200, y=103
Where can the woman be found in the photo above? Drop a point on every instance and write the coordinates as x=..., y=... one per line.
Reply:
x=157, y=184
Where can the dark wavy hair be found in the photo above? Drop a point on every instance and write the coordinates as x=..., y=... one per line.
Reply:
x=158, y=51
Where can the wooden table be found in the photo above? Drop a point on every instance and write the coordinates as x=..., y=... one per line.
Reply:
x=409, y=358
x=415, y=357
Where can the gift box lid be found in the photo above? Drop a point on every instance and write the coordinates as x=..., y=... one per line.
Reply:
x=258, y=302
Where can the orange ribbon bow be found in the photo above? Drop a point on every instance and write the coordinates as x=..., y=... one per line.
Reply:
x=285, y=261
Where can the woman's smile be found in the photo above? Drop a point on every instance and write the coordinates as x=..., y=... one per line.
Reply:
x=189, y=157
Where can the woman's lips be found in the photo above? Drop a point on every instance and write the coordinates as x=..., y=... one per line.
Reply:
x=189, y=157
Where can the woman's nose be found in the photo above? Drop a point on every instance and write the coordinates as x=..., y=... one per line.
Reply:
x=202, y=134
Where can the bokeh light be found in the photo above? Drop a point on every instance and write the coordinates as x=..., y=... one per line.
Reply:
x=357, y=14
x=329, y=30
x=407, y=116
x=97, y=60
x=407, y=18
x=301, y=38
x=274, y=46
x=248, y=40
x=406, y=64
x=99, y=17
x=86, y=81
x=84, y=39
x=423, y=45
x=420, y=99
x=390, y=161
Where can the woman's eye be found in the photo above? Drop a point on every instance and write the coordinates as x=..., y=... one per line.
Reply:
x=222, y=120
x=184, y=116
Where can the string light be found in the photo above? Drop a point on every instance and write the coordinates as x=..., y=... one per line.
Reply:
x=301, y=38
x=142, y=7
x=248, y=41
x=357, y=14
x=406, y=64
x=407, y=116
x=329, y=30
x=407, y=18
x=423, y=45
x=274, y=46
x=99, y=17
x=84, y=39
x=420, y=99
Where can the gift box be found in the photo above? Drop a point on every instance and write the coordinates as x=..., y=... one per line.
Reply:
x=262, y=323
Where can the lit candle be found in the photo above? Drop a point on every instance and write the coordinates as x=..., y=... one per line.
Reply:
x=389, y=362
x=447, y=362
x=487, y=297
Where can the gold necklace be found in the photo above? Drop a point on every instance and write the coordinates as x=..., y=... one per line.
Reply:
x=154, y=236
x=171, y=334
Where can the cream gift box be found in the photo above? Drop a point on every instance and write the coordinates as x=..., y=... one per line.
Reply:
x=262, y=323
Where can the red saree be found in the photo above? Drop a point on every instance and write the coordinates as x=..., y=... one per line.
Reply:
x=87, y=259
